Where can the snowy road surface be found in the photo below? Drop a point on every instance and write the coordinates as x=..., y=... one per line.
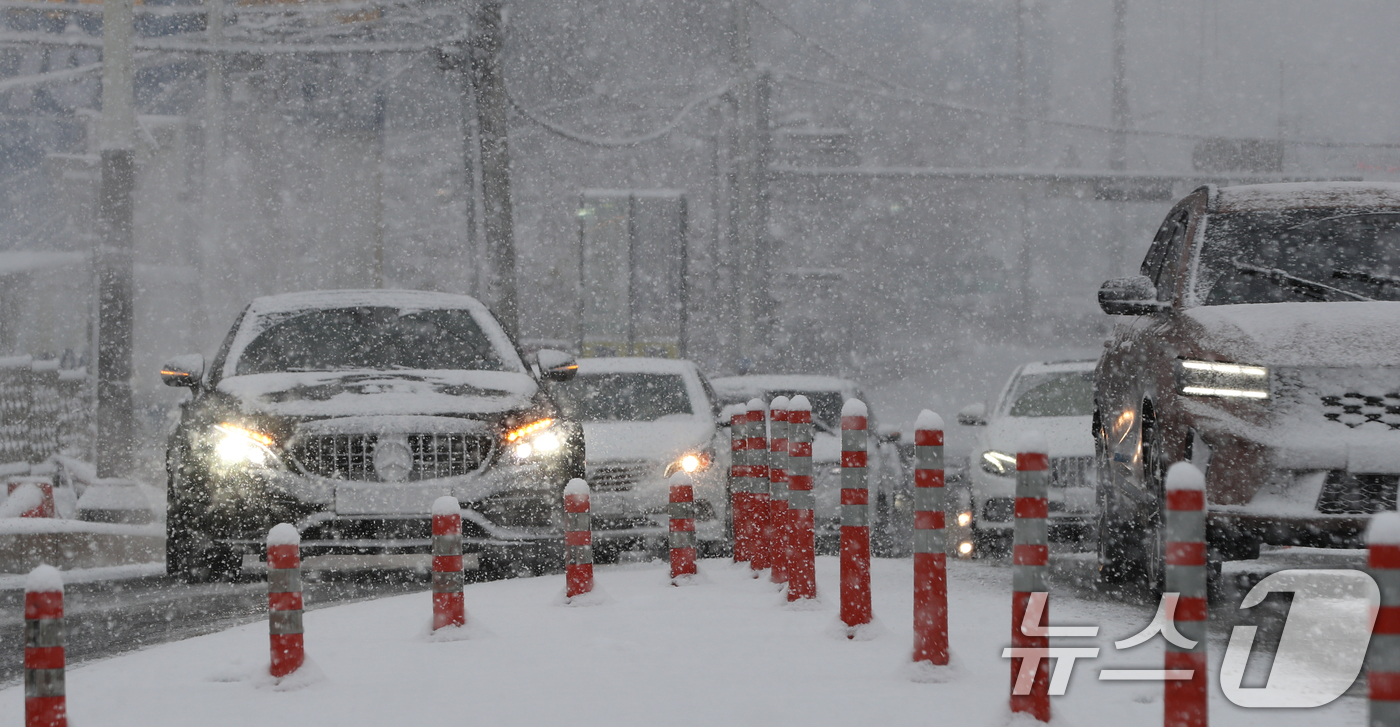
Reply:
x=726, y=651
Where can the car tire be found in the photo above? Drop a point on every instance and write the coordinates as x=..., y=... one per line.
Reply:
x=190, y=554
x=987, y=544
x=1151, y=555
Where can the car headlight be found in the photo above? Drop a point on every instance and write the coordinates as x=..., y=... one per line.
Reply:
x=536, y=438
x=1213, y=378
x=690, y=463
x=237, y=446
x=998, y=463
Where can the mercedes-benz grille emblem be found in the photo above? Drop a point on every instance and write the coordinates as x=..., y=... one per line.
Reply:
x=392, y=459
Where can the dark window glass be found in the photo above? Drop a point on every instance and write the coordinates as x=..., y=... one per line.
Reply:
x=376, y=339
x=1299, y=255
x=826, y=407
x=622, y=397
x=1069, y=394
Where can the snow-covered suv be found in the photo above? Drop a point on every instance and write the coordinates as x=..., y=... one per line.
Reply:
x=1262, y=343
x=347, y=413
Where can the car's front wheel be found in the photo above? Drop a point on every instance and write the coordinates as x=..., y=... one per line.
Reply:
x=190, y=553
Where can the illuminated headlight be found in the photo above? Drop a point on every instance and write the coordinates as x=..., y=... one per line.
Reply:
x=1212, y=378
x=238, y=446
x=964, y=519
x=965, y=547
x=998, y=463
x=536, y=438
x=690, y=463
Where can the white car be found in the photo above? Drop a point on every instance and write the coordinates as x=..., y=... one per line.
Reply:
x=888, y=516
x=1056, y=398
x=643, y=420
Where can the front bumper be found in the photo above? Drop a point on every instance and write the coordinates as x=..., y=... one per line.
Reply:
x=635, y=513
x=1072, y=510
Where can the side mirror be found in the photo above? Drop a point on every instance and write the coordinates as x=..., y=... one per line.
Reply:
x=888, y=434
x=1135, y=296
x=555, y=365
x=186, y=371
x=726, y=415
x=973, y=415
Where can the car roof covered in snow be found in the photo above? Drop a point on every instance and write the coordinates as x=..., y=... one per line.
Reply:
x=634, y=365
x=1307, y=195
x=370, y=298
x=752, y=385
x=1054, y=367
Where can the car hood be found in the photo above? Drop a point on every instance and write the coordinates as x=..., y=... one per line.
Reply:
x=1066, y=436
x=1342, y=334
x=662, y=440
x=357, y=393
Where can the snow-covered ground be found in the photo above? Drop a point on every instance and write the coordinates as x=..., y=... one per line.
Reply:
x=726, y=650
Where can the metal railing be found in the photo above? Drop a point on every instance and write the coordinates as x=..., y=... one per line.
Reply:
x=44, y=410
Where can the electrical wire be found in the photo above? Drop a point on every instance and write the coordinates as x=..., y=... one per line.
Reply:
x=618, y=142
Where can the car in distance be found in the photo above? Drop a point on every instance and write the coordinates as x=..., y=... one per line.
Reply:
x=1260, y=341
x=891, y=501
x=644, y=420
x=347, y=413
x=1057, y=399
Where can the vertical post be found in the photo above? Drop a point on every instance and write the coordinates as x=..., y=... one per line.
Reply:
x=1184, y=700
x=930, y=547
x=45, y=695
x=1118, y=149
x=855, y=516
x=449, y=605
x=756, y=483
x=284, y=602
x=115, y=247
x=497, y=215
x=210, y=240
x=1383, y=660
x=738, y=467
x=802, y=566
x=775, y=533
x=1029, y=561
x=682, y=534
x=578, y=539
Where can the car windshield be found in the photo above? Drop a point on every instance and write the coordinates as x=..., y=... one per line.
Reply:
x=622, y=397
x=1299, y=256
x=1066, y=394
x=826, y=406
x=377, y=339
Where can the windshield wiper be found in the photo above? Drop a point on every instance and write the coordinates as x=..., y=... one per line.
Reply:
x=1311, y=288
x=1365, y=277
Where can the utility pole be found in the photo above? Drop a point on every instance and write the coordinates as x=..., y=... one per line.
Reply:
x=1118, y=151
x=743, y=187
x=498, y=225
x=211, y=235
x=1023, y=257
x=764, y=305
x=113, y=257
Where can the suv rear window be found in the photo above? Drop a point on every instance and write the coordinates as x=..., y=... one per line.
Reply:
x=622, y=397
x=1299, y=256
x=376, y=339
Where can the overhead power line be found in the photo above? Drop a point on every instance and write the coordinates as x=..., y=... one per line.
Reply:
x=618, y=142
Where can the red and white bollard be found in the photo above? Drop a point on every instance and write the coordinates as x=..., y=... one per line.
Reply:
x=801, y=565
x=682, y=526
x=775, y=534
x=578, y=539
x=930, y=547
x=1185, y=699
x=855, y=516
x=284, y=601
x=45, y=700
x=32, y=496
x=1030, y=559
x=449, y=605
x=738, y=479
x=757, y=489
x=1383, y=659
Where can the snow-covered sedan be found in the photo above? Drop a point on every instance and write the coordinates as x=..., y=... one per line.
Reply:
x=1057, y=399
x=891, y=504
x=645, y=419
x=347, y=413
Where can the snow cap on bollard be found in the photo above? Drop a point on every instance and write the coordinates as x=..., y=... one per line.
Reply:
x=45, y=700
x=1185, y=476
x=854, y=408
x=1383, y=659
x=578, y=539
x=930, y=547
x=682, y=530
x=449, y=604
x=799, y=403
x=776, y=533
x=284, y=599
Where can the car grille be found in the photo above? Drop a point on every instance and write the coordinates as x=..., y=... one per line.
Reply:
x=617, y=476
x=1352, y=494
x=351, y=456
x=1071, y=471
x=1357, y=410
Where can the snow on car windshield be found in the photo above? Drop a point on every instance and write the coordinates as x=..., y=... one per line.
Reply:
x=1069, y=394
x=373, y=338
x=1299, y=256
x=625, y=397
